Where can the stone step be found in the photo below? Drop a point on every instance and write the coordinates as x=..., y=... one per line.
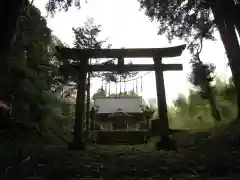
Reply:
x=121, y=137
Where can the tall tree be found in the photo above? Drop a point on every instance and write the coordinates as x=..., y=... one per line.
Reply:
x=192, y=19
x=12, y=10
x=10, y=16
x=202, y=76
x=86, y=37
x=28, y=83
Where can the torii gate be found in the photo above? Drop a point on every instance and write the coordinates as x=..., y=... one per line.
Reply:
x=85, y=54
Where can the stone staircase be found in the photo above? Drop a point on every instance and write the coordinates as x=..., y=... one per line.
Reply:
x=120, y=137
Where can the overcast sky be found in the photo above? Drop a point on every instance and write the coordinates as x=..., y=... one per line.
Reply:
x=126, y=26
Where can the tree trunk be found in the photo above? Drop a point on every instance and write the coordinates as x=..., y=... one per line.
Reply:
x=10, y=17
x=10, y=13
x=230, y=42
x=231, y=11
x=212, y=101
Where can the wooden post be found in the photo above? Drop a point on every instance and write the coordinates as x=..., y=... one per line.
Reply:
x=147, y=122
x=163, y=125
x=93, y=118
x=88, y=102
x=80, y=108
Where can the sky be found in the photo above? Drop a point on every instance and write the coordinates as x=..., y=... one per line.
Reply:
x=125, y=25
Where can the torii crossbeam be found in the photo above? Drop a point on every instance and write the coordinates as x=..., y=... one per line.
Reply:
x=83, y=55
x=75, y=53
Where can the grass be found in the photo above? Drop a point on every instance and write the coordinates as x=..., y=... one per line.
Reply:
x=124, y=162
x=129, y=162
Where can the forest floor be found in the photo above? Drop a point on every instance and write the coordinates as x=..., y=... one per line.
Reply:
x=121, y=162
x=207, y=159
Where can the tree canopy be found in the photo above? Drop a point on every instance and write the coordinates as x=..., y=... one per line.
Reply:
x=195, y=21
x=29, y=77
x=32, y=86
x=53, y=5
x=188, y=20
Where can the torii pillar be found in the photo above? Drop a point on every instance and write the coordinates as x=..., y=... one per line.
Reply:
x=78, y=140
x=162, y=124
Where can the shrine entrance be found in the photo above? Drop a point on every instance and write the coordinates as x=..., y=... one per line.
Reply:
x=157, y=54
x=117, y=122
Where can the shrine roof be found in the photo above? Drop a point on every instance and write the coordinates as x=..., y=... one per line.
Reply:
x=119, y=112
x=111, y=105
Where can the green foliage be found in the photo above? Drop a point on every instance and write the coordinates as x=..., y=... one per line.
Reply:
x=32, y=80
x=100, y=93
x=125, y=94
x=195, y=21
x=54, y=5
x=28, y=78
x=189, y=20
x=86, y=36
x=201, y=74
x=148, y=111
x=194, y=112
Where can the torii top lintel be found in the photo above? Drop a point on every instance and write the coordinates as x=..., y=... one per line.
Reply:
x=78, y=54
